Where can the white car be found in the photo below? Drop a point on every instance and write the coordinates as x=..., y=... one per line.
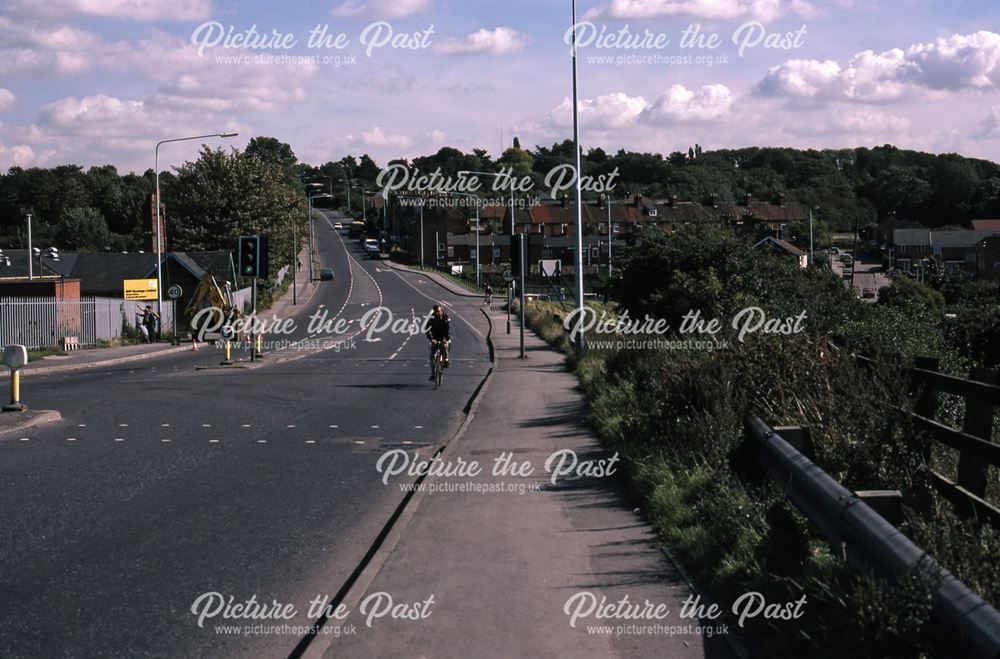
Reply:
x=337, y=226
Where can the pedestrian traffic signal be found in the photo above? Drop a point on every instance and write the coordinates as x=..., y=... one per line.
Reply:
x=253, y=257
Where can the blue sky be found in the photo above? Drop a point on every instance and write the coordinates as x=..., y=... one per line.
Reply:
x=101, y=81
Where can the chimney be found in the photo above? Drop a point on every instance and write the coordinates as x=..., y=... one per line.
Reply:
x=637, y=200
x=746, y=199
x=781, y=198
x=673, y=201
x=713, y=200
x=565, y=201
x=600, y=201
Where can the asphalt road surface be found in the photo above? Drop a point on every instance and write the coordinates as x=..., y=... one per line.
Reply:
x=164, y=483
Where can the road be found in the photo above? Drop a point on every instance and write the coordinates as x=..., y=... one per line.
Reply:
x=163, y=483
x=868, y=273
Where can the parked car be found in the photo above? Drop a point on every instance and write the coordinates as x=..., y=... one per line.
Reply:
x=326, y=274
x=834, y=251
x=337, y=226
x=846, y=258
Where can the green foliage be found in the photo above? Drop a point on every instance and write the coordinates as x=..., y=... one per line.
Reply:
x=224, y=195
x=906, y=292
x=84, y=230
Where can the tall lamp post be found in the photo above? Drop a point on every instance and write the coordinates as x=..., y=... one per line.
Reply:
x=811, y=256
x=348, y=196
x=478, y=256
x=159, y=238
x=579, y=200
x=309, y=199
x=497, y=175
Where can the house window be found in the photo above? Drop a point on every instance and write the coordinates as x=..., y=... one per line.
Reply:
x=614, y=227
x=496, y=252
x=595, y=252
x=937, y=251
x=903, y=249
x=473, y=254
x=451, y=251
x=600, y=228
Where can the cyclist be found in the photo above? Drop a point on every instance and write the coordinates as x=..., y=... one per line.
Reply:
x=489, y=293
x=438, y=330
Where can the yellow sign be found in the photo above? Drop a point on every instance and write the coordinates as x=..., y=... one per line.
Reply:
x=140, y=289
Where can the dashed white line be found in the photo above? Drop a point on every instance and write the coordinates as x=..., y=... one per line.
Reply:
x=25, y=439
x=165, y=440
x=262, y=441
x=290, y=425
x=213, y=441
x=310, y=441
x=71, y=439
x=119, y=439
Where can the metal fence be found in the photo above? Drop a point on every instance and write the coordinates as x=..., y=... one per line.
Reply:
x=39, y=322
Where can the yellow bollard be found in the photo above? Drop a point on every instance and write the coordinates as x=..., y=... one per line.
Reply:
x=228, y=361
x=15, y=393
x=259, y=344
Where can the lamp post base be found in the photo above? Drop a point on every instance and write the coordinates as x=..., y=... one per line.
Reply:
x=15, y=407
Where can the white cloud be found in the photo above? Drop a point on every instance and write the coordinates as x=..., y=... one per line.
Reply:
x=140, y=10
x=7, y=99
x=860, y=125
x=381, y=9
x=376, y=137
x=500, y=41
x=991, y=125
x=678, y=103
x=954, y=63
x=20, y=155
x=40, y=48
x=709, y=10
x=611, y=111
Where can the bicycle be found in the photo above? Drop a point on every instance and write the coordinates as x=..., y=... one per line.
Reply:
x=440, y=356
x=488, y=298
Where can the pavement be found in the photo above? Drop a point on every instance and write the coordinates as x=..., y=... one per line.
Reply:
x=101, y=357
x=507, y=558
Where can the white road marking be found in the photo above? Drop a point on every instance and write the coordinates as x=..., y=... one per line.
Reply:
x=123, y=425
x=245, y=425
x=359, y=441
x=71, y=439
x=291, y=425
x=213, y=441
x=418, y=427
x=310, y=441
x=25, y=439
x=164, y=425
x=165, y=440
x=375, y=427
x=119, y=439
x=206, y=425
x=262, y=441
x=334, y=426
x=81, y=425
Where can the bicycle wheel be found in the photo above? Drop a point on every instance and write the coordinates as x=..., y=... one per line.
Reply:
x=438, y=368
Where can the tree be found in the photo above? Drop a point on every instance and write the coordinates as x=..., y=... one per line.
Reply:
x=83, y=230
x=223, y=195
x=273, y=151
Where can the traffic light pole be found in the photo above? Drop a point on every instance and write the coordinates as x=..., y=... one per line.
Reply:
x=524, y=290
x=253, y=330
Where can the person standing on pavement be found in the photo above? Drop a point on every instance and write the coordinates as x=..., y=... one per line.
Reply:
x=438, y=330
x=149, y=323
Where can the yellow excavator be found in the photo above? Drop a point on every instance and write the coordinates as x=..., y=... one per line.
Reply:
x=211, y=308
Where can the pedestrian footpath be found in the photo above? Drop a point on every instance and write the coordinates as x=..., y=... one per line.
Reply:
x=518, y=566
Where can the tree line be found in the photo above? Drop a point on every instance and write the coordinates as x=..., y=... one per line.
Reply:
x=224, y=191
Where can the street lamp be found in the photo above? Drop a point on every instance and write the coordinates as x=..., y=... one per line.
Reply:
x=579, y=200
x=478, y=255
x=523, y=265
x=348, y=186
x=811, y=209
x=159, y=240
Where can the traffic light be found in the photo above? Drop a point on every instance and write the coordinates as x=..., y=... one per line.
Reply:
x=253, y=256
x=515, y=254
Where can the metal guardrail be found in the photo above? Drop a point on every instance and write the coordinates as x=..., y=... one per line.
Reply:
x=870, y=543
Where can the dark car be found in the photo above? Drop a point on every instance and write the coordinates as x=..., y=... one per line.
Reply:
x=326, y=273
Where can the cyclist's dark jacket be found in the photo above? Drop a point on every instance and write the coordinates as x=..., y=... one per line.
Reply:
x=439, y=329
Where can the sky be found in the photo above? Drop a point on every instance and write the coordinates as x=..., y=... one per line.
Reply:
x=92, y=82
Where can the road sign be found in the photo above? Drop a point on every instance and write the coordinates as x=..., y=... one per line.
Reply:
x=550, y=267
x=175, y=292
x=140, y=289
x=508, y=275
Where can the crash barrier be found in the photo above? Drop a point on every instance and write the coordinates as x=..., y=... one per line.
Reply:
x=871, y=544
x=69, y=343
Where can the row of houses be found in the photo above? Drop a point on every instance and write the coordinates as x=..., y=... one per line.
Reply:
x=974, y=251
x=432, y=231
